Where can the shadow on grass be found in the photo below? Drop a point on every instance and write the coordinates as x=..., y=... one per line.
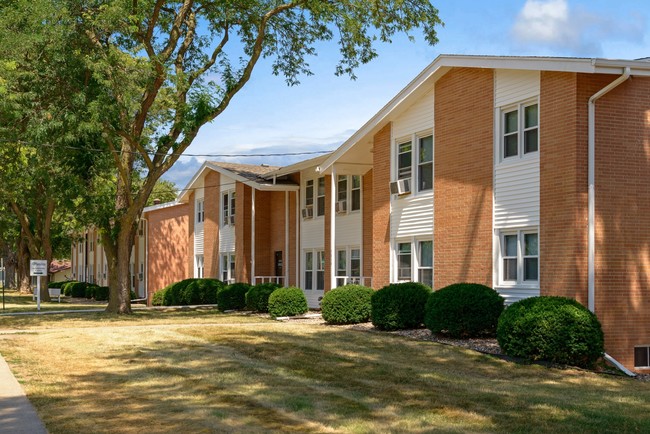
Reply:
x=310, y=378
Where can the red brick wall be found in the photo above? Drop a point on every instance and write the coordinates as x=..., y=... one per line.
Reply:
x=464, y=119
x=367, y=225
x=191, y=220
x=243, y=233
x=168, y=247
x=212, y=208
x=380, y=253
x=622, y=213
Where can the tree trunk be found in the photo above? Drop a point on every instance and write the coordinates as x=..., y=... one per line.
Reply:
x=23, y=284
x=118, y=257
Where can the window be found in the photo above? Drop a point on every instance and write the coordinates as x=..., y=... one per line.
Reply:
x=91, y=246
x=348, y=265
x=519, y=258
x=309, y=270
x=227, y=267
x=520, y=126
x=404, y=160
x=355, y=263
x=320, y=197
x=425, y=263
x=225, y=209
x=232, y=207
x=425, y=164
x=309, y=193
x=341, y=266
x=356, y=193
x=199, y=266
x=141, y=228
x=320, y=271
x=404, y=261
x=642, y=357
x=200, y=215
x=342, y=188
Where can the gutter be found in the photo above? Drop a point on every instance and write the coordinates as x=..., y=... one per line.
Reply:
x=591, y=240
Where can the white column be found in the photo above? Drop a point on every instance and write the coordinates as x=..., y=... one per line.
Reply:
x=332, y=233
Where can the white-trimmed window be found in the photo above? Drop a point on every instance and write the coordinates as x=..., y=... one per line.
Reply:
x=519, y=130
x=198, y=266
x=415, y=161
x=425, y=262
x=404, y=261
x=314, y=270
x=91, y=245
x=320, y=197
x=348, y=193
x=320, y=270
x=227, y=267
x=309, y=270
x=348, y=264
x=200, y=213
x=519, y=258
x=642, y=357
x=414, y=261
x=228, y=208
x=309, y=193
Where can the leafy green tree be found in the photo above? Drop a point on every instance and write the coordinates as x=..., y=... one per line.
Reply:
x=164, y=190
x=161, y=69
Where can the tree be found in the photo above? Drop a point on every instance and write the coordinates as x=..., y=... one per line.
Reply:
x=165, y=68
x=164, y=191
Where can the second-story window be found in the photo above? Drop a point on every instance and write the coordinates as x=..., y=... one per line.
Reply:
x=200, y=214
x=520, y=127
x=425, y=163
x=320, y=197
x=404, y=160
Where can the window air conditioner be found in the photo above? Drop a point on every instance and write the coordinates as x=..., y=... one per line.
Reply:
x=341, y=206
x=140, y=276
x=308, y=212
x=401, y=186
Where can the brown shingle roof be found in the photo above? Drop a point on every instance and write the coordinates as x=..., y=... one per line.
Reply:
x=248, y=171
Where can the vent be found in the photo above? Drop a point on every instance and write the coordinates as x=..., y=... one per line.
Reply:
x=308, y=212
x=401, y=186
x=342, y=206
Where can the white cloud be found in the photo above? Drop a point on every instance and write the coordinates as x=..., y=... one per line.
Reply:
x=556, y=26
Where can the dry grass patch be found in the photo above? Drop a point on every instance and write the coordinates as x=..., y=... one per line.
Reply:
x=200, y=375
x=17, y=302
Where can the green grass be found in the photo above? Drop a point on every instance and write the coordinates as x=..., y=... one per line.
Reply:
x=203, y=371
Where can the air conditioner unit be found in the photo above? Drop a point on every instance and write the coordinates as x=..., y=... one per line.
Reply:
x=341, y=206
x=140, y=276
x=231, y=219
x=308, y=212
x=401, y=186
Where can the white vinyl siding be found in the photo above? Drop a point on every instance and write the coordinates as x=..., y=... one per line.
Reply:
x=412, y=216
x=348, y=228
x=516, y=179
x=198, y=226
x=418, y=117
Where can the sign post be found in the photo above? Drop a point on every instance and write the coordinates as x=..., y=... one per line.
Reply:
x=38, y=268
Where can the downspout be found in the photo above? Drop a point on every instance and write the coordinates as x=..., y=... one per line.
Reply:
x=591, y=175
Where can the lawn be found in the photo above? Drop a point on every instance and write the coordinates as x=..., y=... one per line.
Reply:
x=17, y=302
x=201, y=371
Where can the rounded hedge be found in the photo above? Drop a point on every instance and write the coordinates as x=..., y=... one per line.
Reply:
x=463, y=310
x=67, y=287
x=399, y=306
x=349, y=304
x=158, y=298
x=100, y=293
x=75, y=289
x=233, y=296
x=201, y=291
x=289, y=301
x=172, y=296
x=90, y=290
x=554, y=329
x=58, y=284
x=257, y=297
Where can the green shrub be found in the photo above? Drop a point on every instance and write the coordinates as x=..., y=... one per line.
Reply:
x=201, y=291
x=463, y=310
x=257, y=298
x=555, y=329
x=56, y=284
x=287, y=302
x=172, y=296
x=158, y=298
x=399, y=306
x=90, y=290
x=349, y=304
x=76, y=289
x=101, y=293
x=232, y=296
x=66, y=288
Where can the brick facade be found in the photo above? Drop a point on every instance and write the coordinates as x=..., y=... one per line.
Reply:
x=168, y=247
x=212, y=208
x=367, y=226
x=462, y=230
x=243, y=227
x=380, y=252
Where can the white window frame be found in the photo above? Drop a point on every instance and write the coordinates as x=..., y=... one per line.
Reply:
x=199, y=266
x=320, y=198
x=227, y=264
x=347, y=194
x=413, y=174
x=200, y=210
x=415, y=265
x=347, y=271
x=520, y=281
x=228, y=203
x=317, y=268
x=520, y=108
x=420, y=267
x=308, y=280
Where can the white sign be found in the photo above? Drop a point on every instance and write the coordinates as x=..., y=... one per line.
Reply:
x=38, y=268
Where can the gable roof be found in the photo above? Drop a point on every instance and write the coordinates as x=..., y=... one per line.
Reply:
x=425, y=81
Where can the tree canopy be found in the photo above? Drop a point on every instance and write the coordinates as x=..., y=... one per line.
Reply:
x=141, y=77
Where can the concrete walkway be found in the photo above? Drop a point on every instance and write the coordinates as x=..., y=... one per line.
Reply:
x=17, y=414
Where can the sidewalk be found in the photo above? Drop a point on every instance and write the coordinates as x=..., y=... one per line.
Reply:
x=17, y=415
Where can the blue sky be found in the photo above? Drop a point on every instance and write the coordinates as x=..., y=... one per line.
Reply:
x=267, y=116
